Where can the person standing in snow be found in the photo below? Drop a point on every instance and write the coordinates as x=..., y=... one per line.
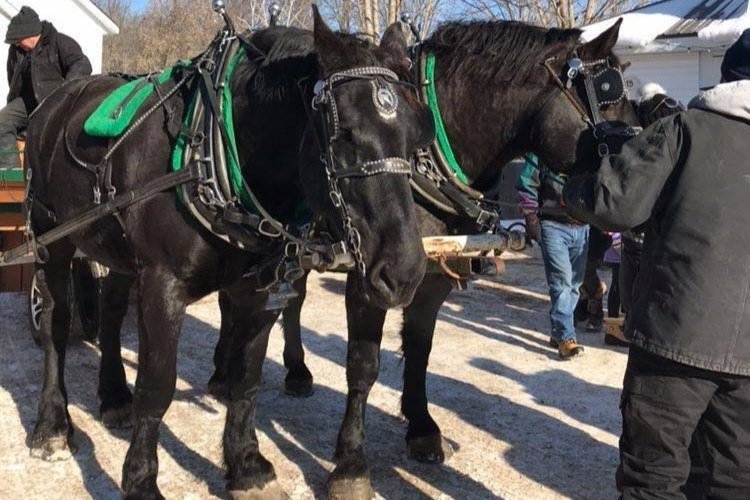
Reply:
x=690, y=323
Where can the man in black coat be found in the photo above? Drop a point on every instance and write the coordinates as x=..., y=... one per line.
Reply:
x=39, y=60
x=690, y=329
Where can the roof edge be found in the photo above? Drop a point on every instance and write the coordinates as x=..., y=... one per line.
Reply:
x=109, y=26
x=9, y=10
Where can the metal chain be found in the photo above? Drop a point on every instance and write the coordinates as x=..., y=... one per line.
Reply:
x=352, y=234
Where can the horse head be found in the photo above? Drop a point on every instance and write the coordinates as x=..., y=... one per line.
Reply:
x=586, y=104
x=355, y=161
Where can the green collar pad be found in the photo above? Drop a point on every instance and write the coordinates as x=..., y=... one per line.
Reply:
x=440, y=133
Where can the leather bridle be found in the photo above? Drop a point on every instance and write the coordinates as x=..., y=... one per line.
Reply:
x=327, y=110
x=602, y=129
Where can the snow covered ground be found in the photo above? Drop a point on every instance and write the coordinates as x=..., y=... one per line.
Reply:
x=525, y=424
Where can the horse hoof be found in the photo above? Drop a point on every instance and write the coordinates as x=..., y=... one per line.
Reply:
x=430, y=449
x=118, y=418
x=218, y=389
x=52, y=449
x=350, y=489
x=299, y=388
x=271, y=491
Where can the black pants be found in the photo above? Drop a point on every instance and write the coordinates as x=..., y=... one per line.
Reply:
x=13, y=117
x=662, y=404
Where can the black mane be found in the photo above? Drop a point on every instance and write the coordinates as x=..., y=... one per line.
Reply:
x=502, y=51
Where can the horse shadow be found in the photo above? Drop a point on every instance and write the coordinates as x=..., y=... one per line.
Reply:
x=553, y=446
x=304, y=430
x=552, y=388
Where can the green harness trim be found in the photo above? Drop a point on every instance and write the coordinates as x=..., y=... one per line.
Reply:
x=233, y=164
x=239, y=186
x=118, y=109
x=440, y=133
x=11, y=175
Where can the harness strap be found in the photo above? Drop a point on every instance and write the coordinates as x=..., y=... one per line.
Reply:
x=385, y=166
x=567, y=93
x=149, y=190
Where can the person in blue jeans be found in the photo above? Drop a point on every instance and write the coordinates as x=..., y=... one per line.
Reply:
x=564, y=244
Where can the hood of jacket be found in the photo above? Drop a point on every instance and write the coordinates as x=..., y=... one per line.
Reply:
x=730, y=99
x=48, y=32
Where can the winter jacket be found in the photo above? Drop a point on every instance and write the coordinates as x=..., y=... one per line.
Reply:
x=540, y=191
x=55, y=59
x=690, y=175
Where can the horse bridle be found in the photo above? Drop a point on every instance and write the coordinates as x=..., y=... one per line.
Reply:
x=324, y=105
x=603, y=88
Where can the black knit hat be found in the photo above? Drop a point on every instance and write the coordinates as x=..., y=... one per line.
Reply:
x=736, y=63
x=23, y=25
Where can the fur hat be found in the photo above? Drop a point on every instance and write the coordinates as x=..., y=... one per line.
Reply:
x=736, y=63
x=655, y=104
x=23, y=25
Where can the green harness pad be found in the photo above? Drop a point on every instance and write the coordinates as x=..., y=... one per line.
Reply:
x=237, y=180
x=119, y=108
x=440, y=134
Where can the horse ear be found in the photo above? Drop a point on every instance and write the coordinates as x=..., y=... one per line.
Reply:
x=326, y=43
x=394, y=40
x=624, y=66
x=392, y=49
x=601, y=46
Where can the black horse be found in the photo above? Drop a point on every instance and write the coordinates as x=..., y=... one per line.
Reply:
x=500, y=88
x=173, y=260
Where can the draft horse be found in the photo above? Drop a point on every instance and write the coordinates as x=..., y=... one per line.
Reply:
x=504, y=89
x=346, y=156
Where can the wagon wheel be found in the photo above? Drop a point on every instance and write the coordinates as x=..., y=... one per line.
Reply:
x=36, y=300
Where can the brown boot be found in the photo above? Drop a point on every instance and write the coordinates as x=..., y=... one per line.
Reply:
x=569, y=349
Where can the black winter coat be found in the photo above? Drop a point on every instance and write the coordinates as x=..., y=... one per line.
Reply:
x=690, y=174
x=55, y=59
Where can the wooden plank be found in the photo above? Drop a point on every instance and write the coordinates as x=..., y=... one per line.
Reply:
x=11, y=193
x=472, y=243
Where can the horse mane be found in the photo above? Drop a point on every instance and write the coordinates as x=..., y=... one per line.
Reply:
x=500, y=51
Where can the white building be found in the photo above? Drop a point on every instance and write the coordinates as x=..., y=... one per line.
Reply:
x=79, y=19
x=677, y=43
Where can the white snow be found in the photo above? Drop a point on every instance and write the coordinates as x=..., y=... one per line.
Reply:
x=642, y=26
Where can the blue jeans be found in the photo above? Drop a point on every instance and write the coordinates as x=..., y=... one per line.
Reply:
x=564, y=249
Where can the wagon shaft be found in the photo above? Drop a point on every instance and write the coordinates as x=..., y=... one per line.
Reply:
x=474, y=244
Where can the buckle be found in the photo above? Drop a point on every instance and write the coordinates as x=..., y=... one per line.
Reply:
x=269, y=230
x=486, y=220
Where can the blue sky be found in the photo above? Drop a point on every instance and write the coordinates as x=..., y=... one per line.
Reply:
x=139, y=4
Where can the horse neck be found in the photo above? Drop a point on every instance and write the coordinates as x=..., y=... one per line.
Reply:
x=485, y=121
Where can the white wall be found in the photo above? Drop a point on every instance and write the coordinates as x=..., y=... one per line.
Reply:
x=710, y=68
x=68, y=16
x=678, y=73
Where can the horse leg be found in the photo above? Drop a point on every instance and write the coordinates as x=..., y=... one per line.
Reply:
x=423, y=437
x=249, y=475
x=299, y=380
x=351, y=477
x=162, y=302
x=116, y=408
x=217, y=384
x=51, y=439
